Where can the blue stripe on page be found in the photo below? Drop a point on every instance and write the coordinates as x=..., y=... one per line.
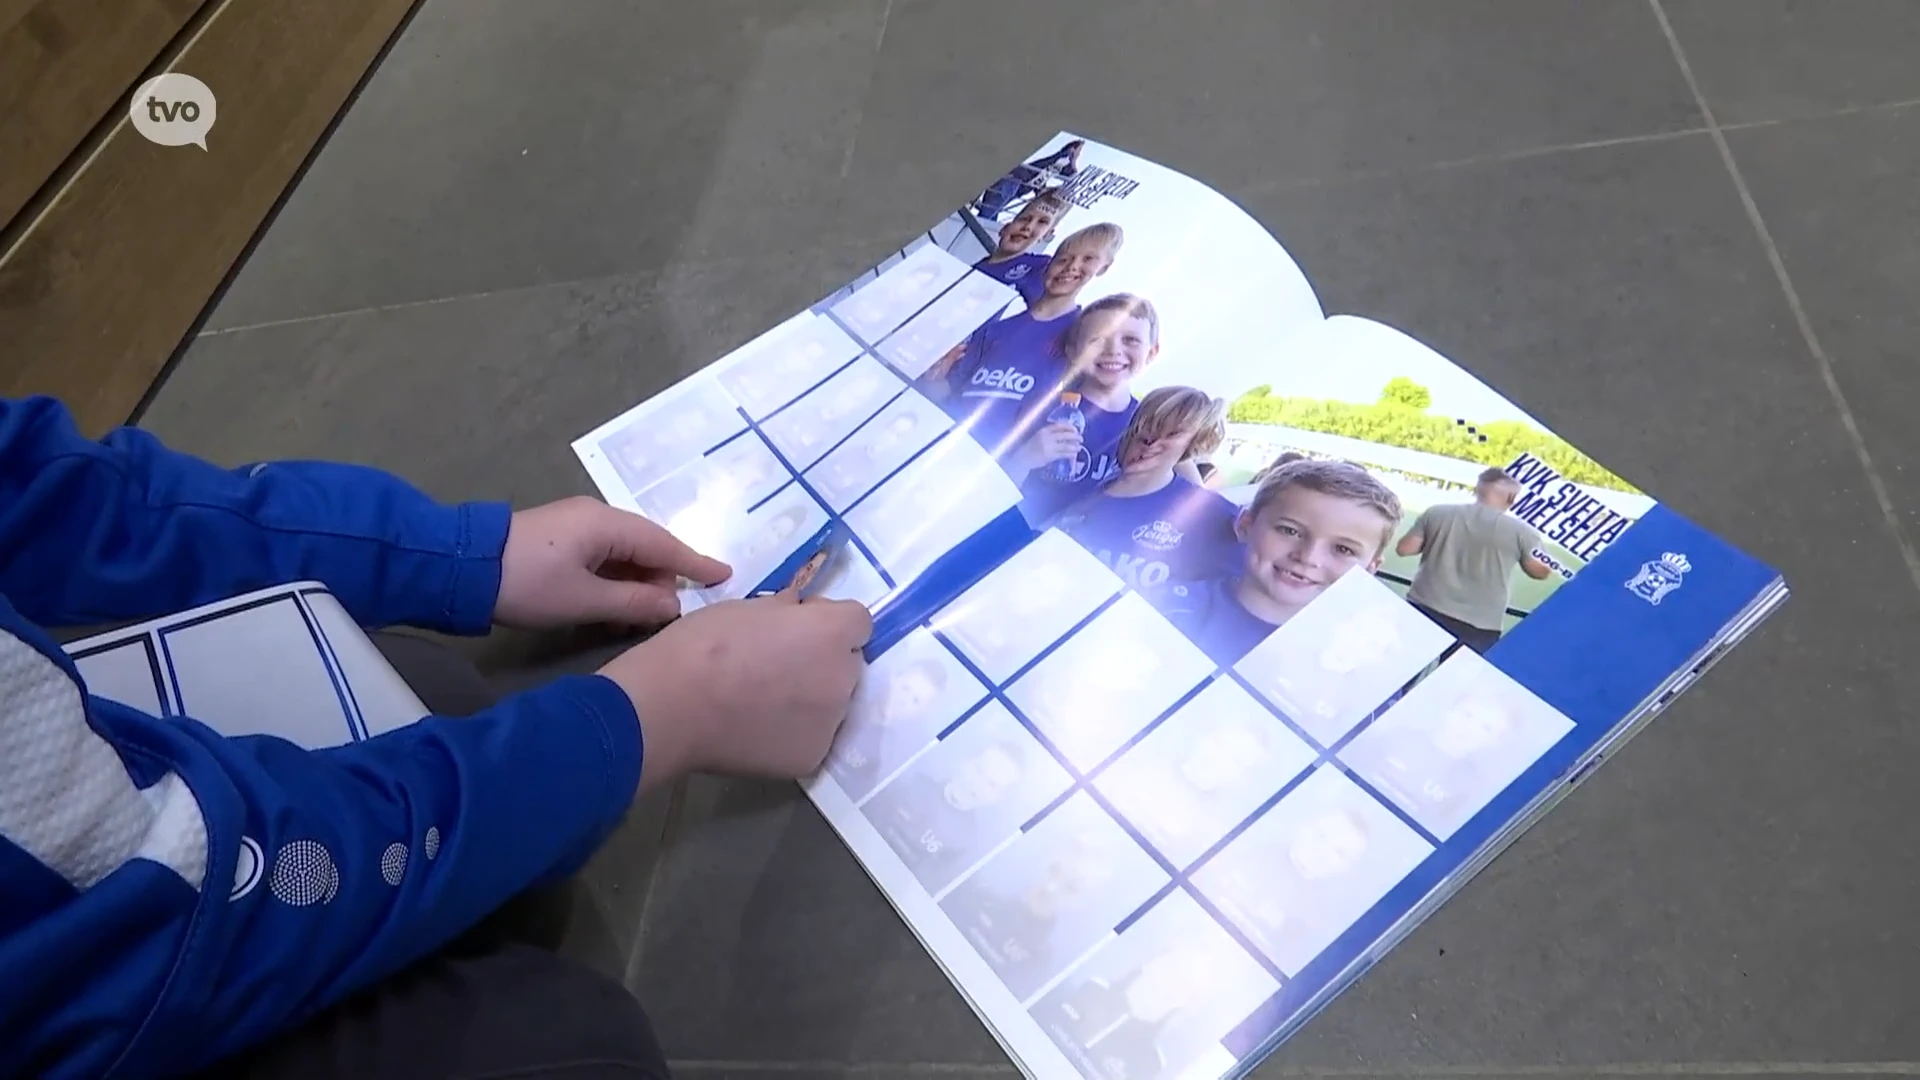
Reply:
x=355, y=732
x=356, y=719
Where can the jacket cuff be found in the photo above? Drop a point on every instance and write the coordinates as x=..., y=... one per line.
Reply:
x=612, y=710
x=473, y=589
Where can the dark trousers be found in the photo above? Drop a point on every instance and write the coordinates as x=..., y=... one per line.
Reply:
x=493, y=1005
x=1473, y=637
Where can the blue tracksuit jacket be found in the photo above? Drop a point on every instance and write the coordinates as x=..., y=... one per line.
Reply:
x=169, y=896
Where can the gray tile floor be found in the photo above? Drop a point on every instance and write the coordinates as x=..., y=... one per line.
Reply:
x=1684, y=233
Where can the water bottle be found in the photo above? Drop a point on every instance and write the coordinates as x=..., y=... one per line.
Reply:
x=1067, y=412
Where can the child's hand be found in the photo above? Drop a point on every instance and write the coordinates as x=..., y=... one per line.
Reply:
x=1058, y=442
x=944, y=366
x=1055, y=442
x=755, y=687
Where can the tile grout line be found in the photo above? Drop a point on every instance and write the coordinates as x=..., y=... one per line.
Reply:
x=434, y=301
x=1822, y=361
x=1831, y=114
x=890, y=1069
x=654, y=276
x=374, y=309
x=1500, y=157
x=1525, y=153
x=1254, y=189
x=879, y=42
x=669, y=831
x=1297, y=184
x=1730, y=1069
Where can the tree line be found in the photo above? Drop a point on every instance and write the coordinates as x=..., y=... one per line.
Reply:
x=1399, y=418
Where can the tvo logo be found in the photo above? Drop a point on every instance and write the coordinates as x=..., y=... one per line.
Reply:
x=173, y=110
x=1003, y=379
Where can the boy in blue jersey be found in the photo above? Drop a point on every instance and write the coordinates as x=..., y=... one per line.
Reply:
x=173, y=900
x=1020, y=919
x=1013, y=261
x=1033, y=175
x=942, y=821
x=1307, y=524
x=1129, y=1025
x=986, y=382
x=892, y=718
x=1057, y=464
x=1152, y=526
x=1438, y=768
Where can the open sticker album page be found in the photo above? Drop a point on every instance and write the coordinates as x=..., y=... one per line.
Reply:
x=1218, y=638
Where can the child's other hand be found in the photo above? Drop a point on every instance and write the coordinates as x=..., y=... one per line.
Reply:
x=580, y=561
x=944, y=366
x=755, y=687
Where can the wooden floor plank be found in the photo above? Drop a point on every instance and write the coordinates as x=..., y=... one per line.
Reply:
x=64, y=65
x=101, y=288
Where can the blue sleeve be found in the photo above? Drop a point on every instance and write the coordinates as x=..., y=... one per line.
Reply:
x=158, y=532
x=173, y=896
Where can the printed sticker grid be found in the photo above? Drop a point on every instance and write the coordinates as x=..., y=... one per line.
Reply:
x=903, y=290
x=807, y=407
x=728, y=496
x=945, y=323
x=1283, y=842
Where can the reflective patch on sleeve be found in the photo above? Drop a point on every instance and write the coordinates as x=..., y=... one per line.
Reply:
x=65, y=797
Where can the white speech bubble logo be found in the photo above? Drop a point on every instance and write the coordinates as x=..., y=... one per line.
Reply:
x=173, y=110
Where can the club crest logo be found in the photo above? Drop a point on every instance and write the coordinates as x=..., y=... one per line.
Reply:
x=1158, y=536
x=1659, y=577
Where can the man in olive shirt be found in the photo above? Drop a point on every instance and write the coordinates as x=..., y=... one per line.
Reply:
x=1467, y=554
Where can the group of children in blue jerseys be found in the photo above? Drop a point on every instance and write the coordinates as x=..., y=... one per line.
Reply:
x=1122, y=478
